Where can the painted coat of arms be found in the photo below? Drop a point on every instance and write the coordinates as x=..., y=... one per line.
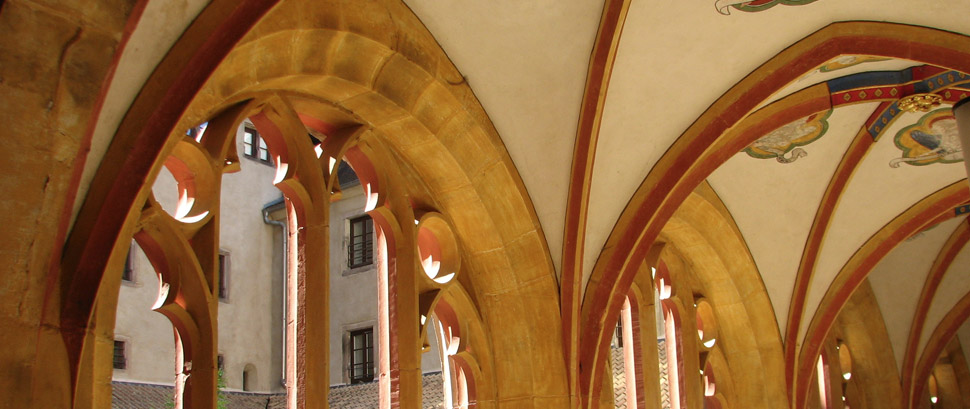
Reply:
x=933, y=139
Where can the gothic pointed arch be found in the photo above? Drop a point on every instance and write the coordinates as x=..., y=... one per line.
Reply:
x=730, y=124
x=390, y=78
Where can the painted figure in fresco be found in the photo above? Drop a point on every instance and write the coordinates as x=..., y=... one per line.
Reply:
x=933, y=139
x=783, y=143
x=723, y=6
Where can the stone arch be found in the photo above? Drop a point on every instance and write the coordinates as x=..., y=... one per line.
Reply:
x=719, y=133
x=706, y=238
x=873, y=371
x=710, y=273
x=391, y=77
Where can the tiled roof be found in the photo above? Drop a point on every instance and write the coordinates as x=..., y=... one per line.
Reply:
x=664, y=382
x=365, y=395
x=130, y=395
x=619, y=376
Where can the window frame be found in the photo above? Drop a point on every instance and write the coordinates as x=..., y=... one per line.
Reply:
x=368, y=365
x=123, y=365
x=367, y=243
x=257, y=146
x=224, y=264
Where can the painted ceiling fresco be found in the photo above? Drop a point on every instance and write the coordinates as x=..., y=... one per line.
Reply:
x=933, y=139
x=916, y=89
x=787, y=139
x=724, y=6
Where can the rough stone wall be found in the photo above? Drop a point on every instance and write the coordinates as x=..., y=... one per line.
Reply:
x=54, y=57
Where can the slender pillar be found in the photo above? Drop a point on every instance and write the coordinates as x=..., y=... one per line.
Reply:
x=308, y=318
x=400, y=375
x=646, y=352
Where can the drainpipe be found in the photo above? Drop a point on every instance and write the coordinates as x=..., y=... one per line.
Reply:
x=267, y=209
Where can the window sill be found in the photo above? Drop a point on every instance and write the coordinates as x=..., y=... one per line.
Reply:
x=358, y=270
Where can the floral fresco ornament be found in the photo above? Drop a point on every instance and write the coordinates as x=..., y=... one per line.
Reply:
x=723, y=6
x=783, y=143
x=933, y=139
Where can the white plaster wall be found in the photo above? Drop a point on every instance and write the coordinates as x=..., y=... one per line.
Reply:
x=353, y=292
x=250, y=320
x=149, y=338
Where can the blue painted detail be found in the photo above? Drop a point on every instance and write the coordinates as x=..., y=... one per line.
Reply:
x=939, y=81
x=961, y=210
x=883, y=121
x=922, y=88
x=870, y=79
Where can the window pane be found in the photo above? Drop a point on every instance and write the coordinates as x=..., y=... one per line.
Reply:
x=223, y=276
x=249, y=138
x=119, y=361
x=361, y=365
x=360, y=249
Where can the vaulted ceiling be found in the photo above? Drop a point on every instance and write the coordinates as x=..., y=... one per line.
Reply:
x=839, y=184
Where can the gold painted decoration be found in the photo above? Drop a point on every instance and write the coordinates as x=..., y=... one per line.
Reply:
x=920, y=102
x=933, y=139
x=788, y=139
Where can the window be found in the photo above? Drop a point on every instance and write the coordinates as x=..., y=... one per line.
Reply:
x=128, y=273
x=254, y=146
x=362, y=355
x=223, y=276
x=360, y=250
x=119, y=362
